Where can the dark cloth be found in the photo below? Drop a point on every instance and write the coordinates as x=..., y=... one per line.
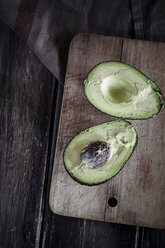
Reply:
x=48, y=26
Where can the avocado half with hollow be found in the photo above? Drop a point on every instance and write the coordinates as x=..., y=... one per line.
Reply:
x=121, y=90
x=98, y=153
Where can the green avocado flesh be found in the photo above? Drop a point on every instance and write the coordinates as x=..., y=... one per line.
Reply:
x=120, y=90
x=98, y=153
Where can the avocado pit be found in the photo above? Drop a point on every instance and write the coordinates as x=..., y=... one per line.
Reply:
x=95, y=154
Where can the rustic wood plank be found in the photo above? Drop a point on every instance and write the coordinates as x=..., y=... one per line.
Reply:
x=152, y=238
x=99, y=234
x=26, y=89
x=138, y=183
x=68, y=232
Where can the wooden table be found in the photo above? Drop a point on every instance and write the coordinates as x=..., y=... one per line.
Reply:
x=30, y=101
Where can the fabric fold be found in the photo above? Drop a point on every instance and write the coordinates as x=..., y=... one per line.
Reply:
x=49, y=26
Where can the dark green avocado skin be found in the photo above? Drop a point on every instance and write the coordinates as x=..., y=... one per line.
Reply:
x=159, y=91
x=96, y=184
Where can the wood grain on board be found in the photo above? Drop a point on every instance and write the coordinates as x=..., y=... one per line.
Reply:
x=140, y=186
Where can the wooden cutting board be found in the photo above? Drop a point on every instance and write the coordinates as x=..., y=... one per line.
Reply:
x=139, y=187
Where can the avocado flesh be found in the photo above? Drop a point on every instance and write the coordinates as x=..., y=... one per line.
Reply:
x=121, y=138
x=120, y=90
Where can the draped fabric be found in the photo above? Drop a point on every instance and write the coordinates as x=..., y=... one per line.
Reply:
x=48, y=26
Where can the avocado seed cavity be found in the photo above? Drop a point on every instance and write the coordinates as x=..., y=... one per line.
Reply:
x=116, y=89
x=95, y=154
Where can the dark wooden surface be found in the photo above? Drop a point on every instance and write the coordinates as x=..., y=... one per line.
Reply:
x=29, y=110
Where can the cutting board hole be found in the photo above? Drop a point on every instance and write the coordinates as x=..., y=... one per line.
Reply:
x=112, y=202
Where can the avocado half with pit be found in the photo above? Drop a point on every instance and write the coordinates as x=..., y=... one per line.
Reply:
x=121, y=90
x=98, y=153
